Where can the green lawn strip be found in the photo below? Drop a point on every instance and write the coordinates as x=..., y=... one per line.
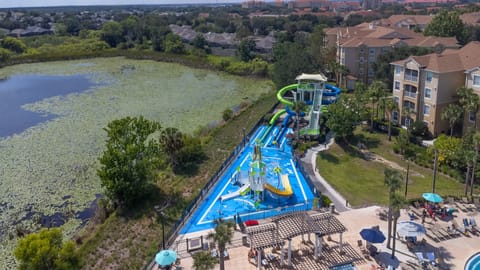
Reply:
x=361, y=181
x=119, y=234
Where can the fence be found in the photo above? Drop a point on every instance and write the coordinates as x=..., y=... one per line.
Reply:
x=173, y=233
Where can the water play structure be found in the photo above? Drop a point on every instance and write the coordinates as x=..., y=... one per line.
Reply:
x=310, y=89
x=263, y=178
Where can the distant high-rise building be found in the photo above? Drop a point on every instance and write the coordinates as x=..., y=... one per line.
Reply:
x=253, y=4
x=279, y=3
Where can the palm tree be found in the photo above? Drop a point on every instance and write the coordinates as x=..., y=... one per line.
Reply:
x=469, y=101
x=203, y=261
x=393, y=180
x=407, y=113
x=222, y=236
x=476, y=141
x=171, y=141
x=375, y=91
x=277, y=170
x=397, y=202
x=453, y=113
x=390, y=107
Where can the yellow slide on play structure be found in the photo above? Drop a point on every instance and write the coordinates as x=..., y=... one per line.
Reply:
x=287, y=192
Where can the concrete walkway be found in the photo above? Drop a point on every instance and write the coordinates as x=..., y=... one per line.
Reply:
x=309, y=162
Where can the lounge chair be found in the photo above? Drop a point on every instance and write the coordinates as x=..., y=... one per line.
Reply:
x=214, y=253
x=225, y=254
x=465, y=224
x=470, y=206
x=364, y=251
x=458, y=228
x=431, y=258
x=420, y=257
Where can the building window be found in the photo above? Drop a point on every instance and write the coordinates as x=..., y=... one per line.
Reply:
x=428, y=77
x=476, y=80
x=411, y=75
x=428, y=93
x=396, y=100
x=371, y=58
x=426, y=109
x=395, y=116
x=398, y=70
x=370, y=72
x=360, y=70
x=361, y=60
x=372, y=51
x=471, y=117
x=397, y=85
x=362, y=50
x=409, y=91
x=409, y=104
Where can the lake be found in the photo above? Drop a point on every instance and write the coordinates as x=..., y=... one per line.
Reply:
x=19, y=90
x=48, y=160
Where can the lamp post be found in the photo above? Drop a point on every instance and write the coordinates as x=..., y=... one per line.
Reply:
x=162, y=216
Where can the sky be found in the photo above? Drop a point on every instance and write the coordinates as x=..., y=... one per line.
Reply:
x=46, y=3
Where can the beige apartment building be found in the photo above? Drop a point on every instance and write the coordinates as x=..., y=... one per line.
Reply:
x=358, y=47
x=428, y=84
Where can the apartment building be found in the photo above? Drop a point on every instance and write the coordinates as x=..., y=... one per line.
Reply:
x=358, y=47
x=407, y=21
x=428, y=84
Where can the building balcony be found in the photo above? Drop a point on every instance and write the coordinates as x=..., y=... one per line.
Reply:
x=410, y=94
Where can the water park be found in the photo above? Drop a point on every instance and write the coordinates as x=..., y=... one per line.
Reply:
x=264, y=180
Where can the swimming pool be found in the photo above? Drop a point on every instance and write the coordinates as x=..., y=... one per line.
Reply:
x=347, y=266
x=246, y=206
x=473, y=263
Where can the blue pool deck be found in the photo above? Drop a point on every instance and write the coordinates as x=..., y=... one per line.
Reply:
x=244, y=206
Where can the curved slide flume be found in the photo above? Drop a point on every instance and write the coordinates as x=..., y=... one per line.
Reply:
x=283, y=90
x=271, y=123
x=286, y=192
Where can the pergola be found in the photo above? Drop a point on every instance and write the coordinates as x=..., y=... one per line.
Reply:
x=327, y=224
x=293, y=224
x=264, y=236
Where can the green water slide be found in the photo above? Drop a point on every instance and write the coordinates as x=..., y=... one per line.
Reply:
x=282, y=92
x=271, y=123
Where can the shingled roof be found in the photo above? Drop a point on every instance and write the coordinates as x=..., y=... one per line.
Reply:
x=449, y=60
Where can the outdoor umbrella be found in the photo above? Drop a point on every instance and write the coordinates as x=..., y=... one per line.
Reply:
x=432, y=197
x=166, y=257
x=410, y=229
x=372, y=235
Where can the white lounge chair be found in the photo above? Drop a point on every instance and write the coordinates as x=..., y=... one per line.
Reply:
x=420, y=257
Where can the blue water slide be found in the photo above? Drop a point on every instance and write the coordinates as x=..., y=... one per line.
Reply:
x=328, y=95
x=290, y=112
x=284, y=128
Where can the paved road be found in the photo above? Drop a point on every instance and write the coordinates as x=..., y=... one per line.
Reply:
x=321, y=184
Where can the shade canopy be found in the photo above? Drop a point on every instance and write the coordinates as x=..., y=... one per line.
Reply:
x=313, y=77
x=432, y=197
x=165, y=257
x=372, y=235
x=410, y=229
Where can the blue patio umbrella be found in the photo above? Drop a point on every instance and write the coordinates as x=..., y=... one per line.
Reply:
x=165, y=257
x=432, y=197
x=372, y=235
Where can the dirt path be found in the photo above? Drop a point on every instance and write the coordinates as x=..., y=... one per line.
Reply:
x=377, y=158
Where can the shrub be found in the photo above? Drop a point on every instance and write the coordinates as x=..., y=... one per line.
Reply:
x=227, y=114
x=326, y=201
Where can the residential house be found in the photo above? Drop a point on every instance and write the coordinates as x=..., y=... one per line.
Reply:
x=428, y=84
x=358, y=47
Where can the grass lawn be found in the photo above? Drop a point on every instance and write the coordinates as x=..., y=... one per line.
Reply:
x=361, y=181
